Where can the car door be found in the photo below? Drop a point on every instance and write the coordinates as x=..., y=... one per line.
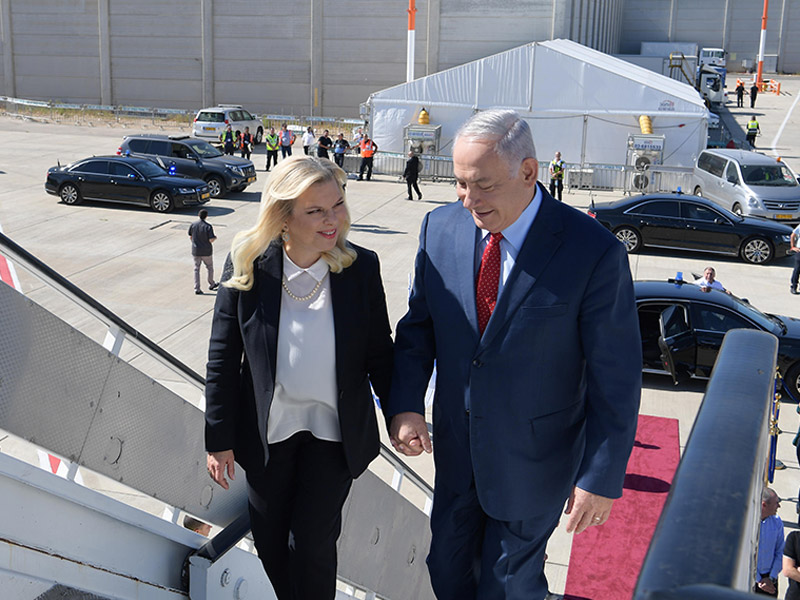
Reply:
x=185, y=161
x=92, y=179
x=677, y=343
x=711, y=323
x=129, y=186
x=708, y=229
x=658, y=221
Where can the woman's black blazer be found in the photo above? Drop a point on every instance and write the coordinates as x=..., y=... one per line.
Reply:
x=240, y=377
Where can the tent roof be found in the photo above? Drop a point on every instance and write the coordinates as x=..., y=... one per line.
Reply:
x=552, y=76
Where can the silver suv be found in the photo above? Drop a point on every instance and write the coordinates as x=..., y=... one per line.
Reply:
x=210, y=123
x=748, y=183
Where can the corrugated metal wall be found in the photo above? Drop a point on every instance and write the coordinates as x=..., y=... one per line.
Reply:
x=731, y=24
x=324, y=57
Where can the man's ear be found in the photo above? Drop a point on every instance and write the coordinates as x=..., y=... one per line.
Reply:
x=530, y=171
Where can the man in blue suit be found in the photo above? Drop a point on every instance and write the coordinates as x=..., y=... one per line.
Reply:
x=527, y=307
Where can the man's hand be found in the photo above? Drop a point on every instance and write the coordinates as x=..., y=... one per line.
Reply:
x=408, y=432
x=218, y=464
x=766, y=585
x=586, y=509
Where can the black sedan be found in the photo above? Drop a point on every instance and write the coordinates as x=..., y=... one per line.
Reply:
x=682, y=222
x=682, y=328
x=124, y=179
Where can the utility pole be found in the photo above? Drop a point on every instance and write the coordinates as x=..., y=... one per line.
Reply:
x=762, y=45
x=412, y=15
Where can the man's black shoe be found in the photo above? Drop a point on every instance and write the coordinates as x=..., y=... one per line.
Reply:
x=794, y=290
x=198, y=292
x=213, y=287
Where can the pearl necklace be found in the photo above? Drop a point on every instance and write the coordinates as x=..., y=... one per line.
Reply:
x=300, y=298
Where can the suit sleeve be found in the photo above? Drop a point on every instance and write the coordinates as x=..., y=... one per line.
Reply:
x=415, y=349
x=612, y=346
x=380, y=346
x=223, y=372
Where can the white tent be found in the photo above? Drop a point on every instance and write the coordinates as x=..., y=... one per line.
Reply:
x=577, y=100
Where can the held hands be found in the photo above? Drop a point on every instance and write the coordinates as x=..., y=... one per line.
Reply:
x=586, y=509
x=408, y=433
x=218, y=464
x=767, y=586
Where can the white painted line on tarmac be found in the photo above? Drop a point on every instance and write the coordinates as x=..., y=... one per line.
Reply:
x=783, y=125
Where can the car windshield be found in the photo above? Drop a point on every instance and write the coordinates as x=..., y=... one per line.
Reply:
x=214, y=117
x=150, y=169
x=769, y=175
x=768, y=322
x=204, y=149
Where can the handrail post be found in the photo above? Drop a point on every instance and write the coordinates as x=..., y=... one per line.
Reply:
x=722, y=467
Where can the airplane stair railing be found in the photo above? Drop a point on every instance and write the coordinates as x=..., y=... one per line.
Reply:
x=76, y=398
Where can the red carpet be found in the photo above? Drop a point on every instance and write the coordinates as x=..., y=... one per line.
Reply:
x=605, y=561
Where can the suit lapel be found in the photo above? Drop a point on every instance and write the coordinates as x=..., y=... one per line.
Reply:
x=539, y=247
x=466, y=236
x=343, y=318
x=269, y=288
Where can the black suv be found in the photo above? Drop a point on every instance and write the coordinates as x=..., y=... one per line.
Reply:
x=193, y=157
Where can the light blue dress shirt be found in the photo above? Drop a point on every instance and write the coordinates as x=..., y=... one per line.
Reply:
x=513, y=237
x=770, y=547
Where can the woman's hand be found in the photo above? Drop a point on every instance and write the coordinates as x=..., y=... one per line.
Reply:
x=218, y=463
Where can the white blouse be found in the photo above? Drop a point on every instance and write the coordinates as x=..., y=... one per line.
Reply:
x=305, y=397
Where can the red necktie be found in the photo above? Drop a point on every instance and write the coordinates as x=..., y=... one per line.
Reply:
x=488, y=280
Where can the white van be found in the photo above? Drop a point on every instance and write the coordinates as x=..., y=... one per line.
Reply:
x=748, y=183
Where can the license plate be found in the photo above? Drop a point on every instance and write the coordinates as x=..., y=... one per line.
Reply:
x=209, y=128
x=783, y=216
x=205, y=196
x=251, y=179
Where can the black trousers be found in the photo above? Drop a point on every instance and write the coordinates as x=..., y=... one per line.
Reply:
x=366, y=164
x=739, y=100
x=556, y=185
x=413, y=182
x=286, y=151
x=272, y=156
x=339, y=159
x=296, y=515
x=796, y=271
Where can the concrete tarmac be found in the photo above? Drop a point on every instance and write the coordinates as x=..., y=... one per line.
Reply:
x=138, y=263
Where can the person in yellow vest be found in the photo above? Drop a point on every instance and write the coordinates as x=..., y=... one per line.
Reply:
x=228, y=140
x=368, y=149
x=752, y=130
x=557, y=176
x=273, y=142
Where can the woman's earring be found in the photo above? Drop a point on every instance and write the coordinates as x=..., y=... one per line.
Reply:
x=285, y=235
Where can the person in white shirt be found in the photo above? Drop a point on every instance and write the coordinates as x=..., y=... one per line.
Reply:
x=709, y=282
x=308, y=139
x=300, y=331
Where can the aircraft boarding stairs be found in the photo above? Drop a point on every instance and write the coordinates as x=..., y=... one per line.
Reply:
x=78, y=399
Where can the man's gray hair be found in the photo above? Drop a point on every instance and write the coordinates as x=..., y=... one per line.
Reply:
x=768, y=494
x=509, y=133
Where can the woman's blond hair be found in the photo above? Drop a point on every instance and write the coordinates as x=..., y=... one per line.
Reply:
x=289, y=179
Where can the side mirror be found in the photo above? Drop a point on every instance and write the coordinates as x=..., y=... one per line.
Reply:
x=719, y=221
x=733, y=180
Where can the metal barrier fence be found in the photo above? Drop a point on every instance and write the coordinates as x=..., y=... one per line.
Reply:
x=54, y=110
x=589, y=176
x=705, y=543
x=625, y=178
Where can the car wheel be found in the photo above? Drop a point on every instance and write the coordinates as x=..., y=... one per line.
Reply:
x=259, y=136
x=161, y=201
x=791, y=381
x=756, y=251
x=698, y=191
x=69, y=194
x=215, y=186
x=630, y=238
x=737, y=209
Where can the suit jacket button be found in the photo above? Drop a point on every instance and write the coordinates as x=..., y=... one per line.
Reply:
x=477, y=363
